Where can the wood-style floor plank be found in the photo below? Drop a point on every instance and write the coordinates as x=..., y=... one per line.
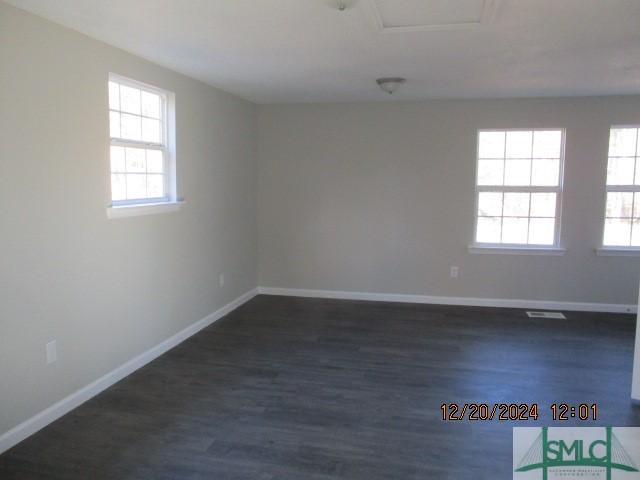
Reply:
x=291, y=388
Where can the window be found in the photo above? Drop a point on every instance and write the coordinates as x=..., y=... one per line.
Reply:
x=622, y=214
x=519, y=188
x=141, y=156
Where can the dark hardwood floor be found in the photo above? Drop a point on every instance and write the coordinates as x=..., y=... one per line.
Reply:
x=290, y=388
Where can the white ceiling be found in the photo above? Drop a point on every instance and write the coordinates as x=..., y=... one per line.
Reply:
x=272, y=51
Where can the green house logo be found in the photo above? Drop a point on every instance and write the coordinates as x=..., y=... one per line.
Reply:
x=574, y=452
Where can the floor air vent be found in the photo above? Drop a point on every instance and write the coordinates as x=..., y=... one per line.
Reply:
x=556, y=315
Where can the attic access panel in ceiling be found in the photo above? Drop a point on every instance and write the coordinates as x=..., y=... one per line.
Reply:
x=424, y=15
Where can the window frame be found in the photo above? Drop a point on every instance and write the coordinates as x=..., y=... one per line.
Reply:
x=130, y=207
x=614, y=250
x=521, y=248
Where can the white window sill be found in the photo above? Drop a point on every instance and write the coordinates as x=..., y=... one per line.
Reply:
x=618, y=252
x=509, y=250
x=122, y=211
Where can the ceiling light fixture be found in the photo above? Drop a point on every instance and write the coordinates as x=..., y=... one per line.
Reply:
x=390, y=84
x=342, y=5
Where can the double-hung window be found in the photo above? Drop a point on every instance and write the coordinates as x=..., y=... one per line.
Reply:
x=141, y=153
x=519, y=189
x=622, y=215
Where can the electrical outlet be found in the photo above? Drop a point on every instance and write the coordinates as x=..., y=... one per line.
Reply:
x=52, y=352
x=454, y=272
x=221, y=280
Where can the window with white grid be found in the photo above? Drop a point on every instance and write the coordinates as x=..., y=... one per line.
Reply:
x=519, y=187
x=622, y=215
x=141, y=169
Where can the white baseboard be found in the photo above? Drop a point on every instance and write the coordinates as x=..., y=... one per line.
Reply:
x=466, y=301
x=57, y=410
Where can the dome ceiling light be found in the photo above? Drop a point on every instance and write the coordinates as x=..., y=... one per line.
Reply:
x=390, y=84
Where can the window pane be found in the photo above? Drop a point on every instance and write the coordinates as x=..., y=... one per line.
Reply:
x=114, y=124
x=138, y=171
x=114, y=96
x=136, y=186
x=619, y=204
x=519, y=216
x=514, y=230
x=622, y=142
x=543, y=205
x=635, y=234
x=547, y=144
x=617, y=232
x=135, y=160
x=489, y=204
x=155, y=186
x=150, y=130
x=620, y=171
x=118, y=187
x=154, y=161
x=490, y=172
x=131, y=127
x=117, y=159
x=516, y=205
x=636, y=205
x=488, y=230
x=517, y=172
x=545, y=172
x=491, y=145
x=130, y=99
x=519, y=144
x=150, y=104
x=541, y=231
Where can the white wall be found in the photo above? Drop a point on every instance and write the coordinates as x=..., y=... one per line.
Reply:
x=380, y=198
x=635, y=383
x=107, y=290
x=365, y=197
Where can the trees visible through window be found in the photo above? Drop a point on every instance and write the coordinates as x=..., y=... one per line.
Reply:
x=519, y=187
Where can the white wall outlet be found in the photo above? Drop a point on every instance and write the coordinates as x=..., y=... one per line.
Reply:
x=454, y=272
x=52, y=352
x=221, y=280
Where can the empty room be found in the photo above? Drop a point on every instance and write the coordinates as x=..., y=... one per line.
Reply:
x=319, y=239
